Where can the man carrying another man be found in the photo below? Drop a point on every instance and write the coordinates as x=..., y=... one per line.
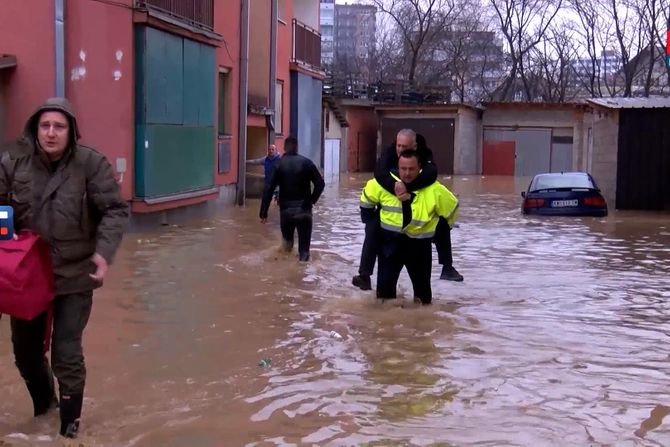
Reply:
x=407, y=227
x=405, y=139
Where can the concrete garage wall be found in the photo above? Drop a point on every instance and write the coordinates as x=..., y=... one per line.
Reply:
x=548, y=116
x=605, y=134
x=467, y=149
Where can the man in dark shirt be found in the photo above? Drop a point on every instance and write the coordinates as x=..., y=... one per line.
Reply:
x=295, y=175
x=388, y=161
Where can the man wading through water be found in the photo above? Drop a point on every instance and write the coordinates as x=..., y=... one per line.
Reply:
x=387, y=163
x=67, y=194
x=296, y=176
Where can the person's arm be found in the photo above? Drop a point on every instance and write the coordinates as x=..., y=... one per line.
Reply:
x=368, y=204
x=105, y=196
x=256, y=161
x=319, y=184
x=387, y=161
x=4, y=178
x=447, y=205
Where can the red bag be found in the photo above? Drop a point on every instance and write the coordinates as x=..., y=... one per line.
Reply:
x=26, y=276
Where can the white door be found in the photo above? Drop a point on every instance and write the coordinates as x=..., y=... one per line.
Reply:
x=331, y=160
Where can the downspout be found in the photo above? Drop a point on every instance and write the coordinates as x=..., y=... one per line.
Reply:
x=59, y=50
x=244, y=87
x=273, y=68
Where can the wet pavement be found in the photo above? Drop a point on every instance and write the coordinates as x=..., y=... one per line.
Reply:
x=558, y=336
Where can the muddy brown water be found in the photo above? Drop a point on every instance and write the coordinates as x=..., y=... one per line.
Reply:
x=558, y=336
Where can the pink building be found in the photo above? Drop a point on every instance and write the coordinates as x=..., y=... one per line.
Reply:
x=176, y=94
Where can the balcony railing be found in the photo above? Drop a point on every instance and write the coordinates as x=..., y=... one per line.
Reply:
x=306, y=45
x=198, y=13
x=398, y=92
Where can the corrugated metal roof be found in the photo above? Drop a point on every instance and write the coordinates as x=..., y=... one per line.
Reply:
x=631, y=103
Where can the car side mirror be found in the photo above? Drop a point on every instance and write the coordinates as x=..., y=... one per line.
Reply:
x=523, y=194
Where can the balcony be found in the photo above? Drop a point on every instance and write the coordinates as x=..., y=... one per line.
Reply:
x=197, y=13
x=306, y=46
x=398, y=92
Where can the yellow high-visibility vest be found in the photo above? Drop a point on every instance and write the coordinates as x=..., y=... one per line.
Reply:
x=429, y=204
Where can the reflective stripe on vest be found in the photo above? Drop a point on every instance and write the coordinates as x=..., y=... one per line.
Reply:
x=428, y=204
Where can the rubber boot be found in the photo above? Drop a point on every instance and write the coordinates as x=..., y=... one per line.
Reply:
x=41, y=389
x=70, y=412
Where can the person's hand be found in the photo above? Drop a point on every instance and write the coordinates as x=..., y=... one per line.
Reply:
x=399, y=189
x=404, y=196
x=15, y=237
x=264, y=219
x=101, y=267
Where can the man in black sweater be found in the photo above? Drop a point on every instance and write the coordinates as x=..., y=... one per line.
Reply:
x=388, y=161
x=295, y=175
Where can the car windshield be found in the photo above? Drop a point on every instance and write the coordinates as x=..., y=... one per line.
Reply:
x=555, y=181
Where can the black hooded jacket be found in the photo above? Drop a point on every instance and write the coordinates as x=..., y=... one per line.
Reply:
x=388, y=161
x=295, y=175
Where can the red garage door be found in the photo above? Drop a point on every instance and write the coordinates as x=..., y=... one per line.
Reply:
x=498, y=158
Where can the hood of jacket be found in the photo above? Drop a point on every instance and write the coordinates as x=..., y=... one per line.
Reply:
x=53, y=105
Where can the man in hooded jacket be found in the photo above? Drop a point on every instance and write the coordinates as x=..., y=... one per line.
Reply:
x=67, y=193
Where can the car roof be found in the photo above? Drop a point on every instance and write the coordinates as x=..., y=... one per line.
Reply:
x=556, y=174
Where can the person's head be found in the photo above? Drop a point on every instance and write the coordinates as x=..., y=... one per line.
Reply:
x=408, y=165
x=53, y=133
x=291, y=145
x=272, y=150
x=54, y=127
x=405, y=139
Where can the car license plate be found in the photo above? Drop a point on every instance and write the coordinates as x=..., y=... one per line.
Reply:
x=563, y=203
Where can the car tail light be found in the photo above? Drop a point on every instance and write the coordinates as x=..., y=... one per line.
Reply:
x=533, y=203
x=595, y=201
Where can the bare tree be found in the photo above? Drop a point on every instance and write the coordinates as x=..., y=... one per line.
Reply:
x=523, y=24
x=417, y=21
x=386, y=62
x=589, y=31
x=664, y=18
x=552, y=62
x=655, y=16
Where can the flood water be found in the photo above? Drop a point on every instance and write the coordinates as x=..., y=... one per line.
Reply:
x=558, y=336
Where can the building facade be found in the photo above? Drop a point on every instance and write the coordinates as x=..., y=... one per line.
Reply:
x=355, y=37
x=177, y=95
x=327, y=29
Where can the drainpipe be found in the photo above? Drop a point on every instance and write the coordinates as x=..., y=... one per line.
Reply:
x=244, y=87
x=59, y=50
x=273, y=67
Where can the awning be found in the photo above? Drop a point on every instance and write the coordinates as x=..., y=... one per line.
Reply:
x=7, y=61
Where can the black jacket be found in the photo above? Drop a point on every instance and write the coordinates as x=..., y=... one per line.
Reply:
x=293, y=174
x=388, y=161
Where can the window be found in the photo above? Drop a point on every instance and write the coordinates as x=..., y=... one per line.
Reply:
x=279, y=108
x=225, y=111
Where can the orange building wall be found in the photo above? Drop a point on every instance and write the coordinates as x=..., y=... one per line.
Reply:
x=27, y=31
x=284, y=53
x=228, y=55
x=99, y=80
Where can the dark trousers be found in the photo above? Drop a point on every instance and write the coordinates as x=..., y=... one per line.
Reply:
x=442, y=240
x=292, y=218
x=370, y=247
x=414, y=254
x=71, y=313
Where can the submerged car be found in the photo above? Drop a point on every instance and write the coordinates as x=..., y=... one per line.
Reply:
x=564, y=194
